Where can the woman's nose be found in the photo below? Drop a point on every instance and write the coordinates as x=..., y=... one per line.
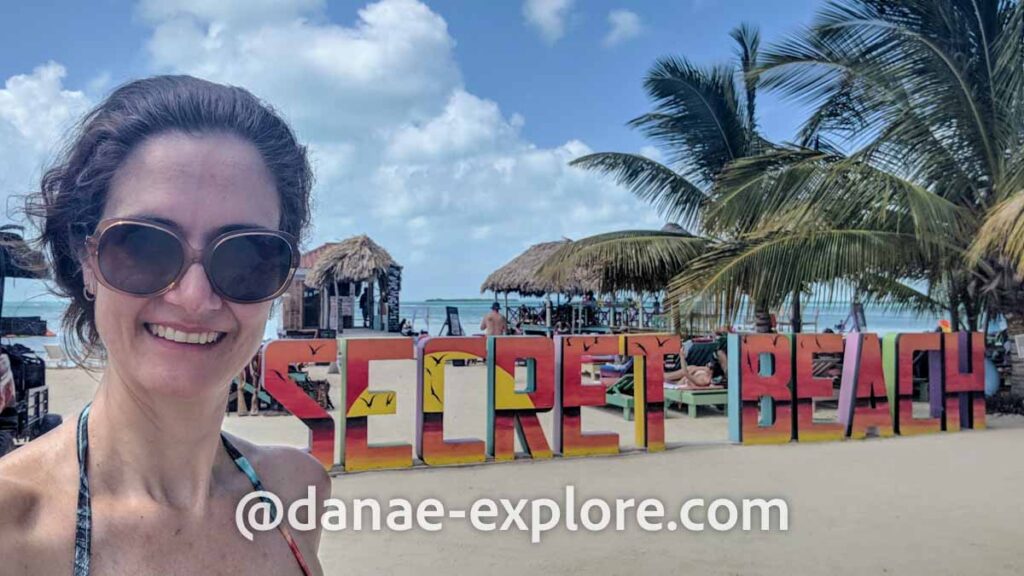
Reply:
x=193, y=292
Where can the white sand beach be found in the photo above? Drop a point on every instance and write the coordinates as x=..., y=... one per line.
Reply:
x=940, y=504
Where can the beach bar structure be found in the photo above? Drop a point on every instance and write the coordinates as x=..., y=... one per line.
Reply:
x=18, y=260
x=354, y=283
x=521, y=275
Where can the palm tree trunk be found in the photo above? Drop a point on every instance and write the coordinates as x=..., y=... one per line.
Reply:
x=796, y=321
x=954, y=311
x=1015, y=328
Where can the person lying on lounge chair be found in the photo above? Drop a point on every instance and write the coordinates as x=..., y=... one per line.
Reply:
x=701, y=375
x=698, y=376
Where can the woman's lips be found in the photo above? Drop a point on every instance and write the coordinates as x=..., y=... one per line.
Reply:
x=186, y=336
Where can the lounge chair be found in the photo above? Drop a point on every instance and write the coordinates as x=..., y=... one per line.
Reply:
x=694, y=396
x=621, y=394
x=55, y=354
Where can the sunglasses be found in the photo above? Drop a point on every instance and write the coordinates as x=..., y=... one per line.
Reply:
x=143, y=258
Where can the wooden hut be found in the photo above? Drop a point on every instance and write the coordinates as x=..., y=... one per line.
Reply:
x=301, y=306
x=356, y=273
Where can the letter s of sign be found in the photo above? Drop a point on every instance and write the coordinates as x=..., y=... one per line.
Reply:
x=277, y=355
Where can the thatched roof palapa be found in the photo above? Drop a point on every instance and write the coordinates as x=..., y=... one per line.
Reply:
x=353, y=260
x=632, y=260
x=520, y=275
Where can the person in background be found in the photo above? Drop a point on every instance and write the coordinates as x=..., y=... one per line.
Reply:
x=363, y=300
x=405, y=327
x=494, y=324
x=589, y=309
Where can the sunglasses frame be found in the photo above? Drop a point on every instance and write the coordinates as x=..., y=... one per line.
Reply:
x=191, y=255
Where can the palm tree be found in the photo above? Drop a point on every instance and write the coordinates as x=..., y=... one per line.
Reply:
x=752, y=245
x=929, y=96
x=704, y=118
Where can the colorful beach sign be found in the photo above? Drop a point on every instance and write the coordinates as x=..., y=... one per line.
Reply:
x=774, y=384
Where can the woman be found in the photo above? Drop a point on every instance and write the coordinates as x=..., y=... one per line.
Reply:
x=170, y=221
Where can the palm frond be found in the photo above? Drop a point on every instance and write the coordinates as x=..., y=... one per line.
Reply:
x=673, y=196
x=697, y=116
x=1002, y=234
x=768, y=269
x=748, y=43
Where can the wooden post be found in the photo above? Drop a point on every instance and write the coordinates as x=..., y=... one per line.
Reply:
x=337, y=297
x=371, y=304
x=324, y=307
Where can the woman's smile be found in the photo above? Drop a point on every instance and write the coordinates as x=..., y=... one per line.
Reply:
x=185, y=335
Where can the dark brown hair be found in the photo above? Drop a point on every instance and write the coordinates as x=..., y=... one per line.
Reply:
x=74, y=189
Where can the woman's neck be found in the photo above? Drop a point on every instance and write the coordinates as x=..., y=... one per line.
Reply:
x=162, y=448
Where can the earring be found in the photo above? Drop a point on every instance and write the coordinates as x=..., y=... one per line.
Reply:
x=88, y=295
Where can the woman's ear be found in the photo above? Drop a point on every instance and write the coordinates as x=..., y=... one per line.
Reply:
x=88, y=276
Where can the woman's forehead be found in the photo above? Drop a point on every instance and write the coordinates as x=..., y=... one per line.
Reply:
x=201, y=183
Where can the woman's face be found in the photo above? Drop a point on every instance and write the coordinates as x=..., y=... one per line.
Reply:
x=202, y=184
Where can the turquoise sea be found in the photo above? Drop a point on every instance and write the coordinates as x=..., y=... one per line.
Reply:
x=429, y=315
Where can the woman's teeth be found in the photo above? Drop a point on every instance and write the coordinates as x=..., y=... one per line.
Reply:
x=168, y=333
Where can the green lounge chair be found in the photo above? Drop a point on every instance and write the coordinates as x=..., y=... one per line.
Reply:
x=694, y=397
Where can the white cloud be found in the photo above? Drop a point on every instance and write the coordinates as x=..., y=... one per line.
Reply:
x=99, y=84
x=395, y=65
x=467, y=124
x=35, y=111
x=624, y=25
x=548, y=17
x=652, y=153
x=441, y=177
x=37, y=106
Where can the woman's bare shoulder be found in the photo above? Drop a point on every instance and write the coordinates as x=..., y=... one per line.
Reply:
x=38, y=463
x=285, y=470
x=290, y=473
x=36, y=482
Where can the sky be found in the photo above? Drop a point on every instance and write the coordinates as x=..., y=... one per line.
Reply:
x=441, y=128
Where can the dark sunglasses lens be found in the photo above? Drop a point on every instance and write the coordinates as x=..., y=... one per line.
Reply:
x=139, y=259
x=251, y=268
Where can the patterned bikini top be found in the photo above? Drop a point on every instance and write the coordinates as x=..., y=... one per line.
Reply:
x=83, y=525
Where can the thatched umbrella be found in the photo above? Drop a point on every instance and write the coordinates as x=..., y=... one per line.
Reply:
x=520, y=275
x=641, y=261
x=638, y=261
x=356, y=259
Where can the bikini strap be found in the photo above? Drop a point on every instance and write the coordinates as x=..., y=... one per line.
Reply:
x=243, y=464
x=83, y=523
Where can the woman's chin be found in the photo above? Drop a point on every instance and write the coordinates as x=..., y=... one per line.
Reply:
x=183, y=370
